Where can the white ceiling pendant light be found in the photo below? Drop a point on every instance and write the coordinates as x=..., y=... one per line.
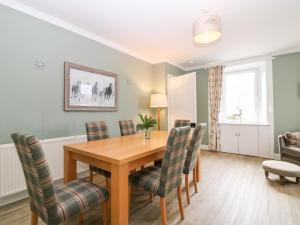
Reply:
x=207, y=28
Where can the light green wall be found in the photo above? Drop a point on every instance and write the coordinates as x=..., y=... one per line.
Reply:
x=286, y=91
x=172, y=70
x=32, y=100
x=202, y=99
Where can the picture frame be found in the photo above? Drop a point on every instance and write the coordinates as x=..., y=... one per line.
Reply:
x=89, y=89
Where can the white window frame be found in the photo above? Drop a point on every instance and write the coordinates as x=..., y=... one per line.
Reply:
x=258, y=91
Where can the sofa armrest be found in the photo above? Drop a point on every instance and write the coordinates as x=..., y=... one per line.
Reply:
x=281, y=143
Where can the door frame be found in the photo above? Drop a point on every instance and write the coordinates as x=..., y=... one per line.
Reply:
x=170, y=76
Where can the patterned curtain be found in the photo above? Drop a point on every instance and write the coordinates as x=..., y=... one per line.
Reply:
x=215, y=76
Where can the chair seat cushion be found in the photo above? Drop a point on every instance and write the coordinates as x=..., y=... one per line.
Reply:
x=78, y=196
x=100, y=171
x=147, y=179
x=291, y=150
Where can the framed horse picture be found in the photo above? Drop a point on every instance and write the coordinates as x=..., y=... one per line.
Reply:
x=88, y=89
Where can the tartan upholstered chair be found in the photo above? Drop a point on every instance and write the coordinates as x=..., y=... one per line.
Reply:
x=161, y=180
x=54, y=205
x=182, y=123
x=97, y=131
x=192, y=156
x=127, y=127
x=178, y=123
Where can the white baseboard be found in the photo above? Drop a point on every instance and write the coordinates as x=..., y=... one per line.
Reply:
x=204, y=147
x=277, y=156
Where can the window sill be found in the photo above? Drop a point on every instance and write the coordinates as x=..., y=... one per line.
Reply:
x=248, y=124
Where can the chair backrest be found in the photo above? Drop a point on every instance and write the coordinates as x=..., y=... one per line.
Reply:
x=182, y=123
x=194, y=148
x=96, y=130
x=38, y=177
x=172, y=164
x=127, y=127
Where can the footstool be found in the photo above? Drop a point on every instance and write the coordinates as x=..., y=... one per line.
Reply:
x=282, y=169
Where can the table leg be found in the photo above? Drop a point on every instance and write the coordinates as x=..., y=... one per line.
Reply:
x=119, y=194
x=70, y=167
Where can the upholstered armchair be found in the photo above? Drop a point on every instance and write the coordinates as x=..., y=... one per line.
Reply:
x=288, y=153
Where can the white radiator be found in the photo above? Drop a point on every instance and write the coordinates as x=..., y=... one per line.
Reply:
x=11, y=174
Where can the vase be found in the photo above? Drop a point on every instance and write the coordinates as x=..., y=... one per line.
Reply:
x=147, y=134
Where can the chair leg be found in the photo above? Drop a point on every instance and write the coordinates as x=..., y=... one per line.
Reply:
x=34, y=218
x=107, y=181
x=81, y=218
x=195, y=180
x=106, y=212
x=91, y=176
x=129, y=196
x=180, y=202
x=198, y=168
x=187, y=188
x=151, y=197
x=163, y=210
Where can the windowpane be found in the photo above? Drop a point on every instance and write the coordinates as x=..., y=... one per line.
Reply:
x=239, y=99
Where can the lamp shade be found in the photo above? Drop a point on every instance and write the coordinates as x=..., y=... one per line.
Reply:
x=207, y=29
x=158, y=100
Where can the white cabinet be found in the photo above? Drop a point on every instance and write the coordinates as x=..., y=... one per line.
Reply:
x=248, y=140
x=264, y=142
x=229, y=139
x=243, y=139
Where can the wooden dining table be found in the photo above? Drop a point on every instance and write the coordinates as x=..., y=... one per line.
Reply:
x=118, y=155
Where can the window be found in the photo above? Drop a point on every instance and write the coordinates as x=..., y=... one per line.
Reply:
x=244, y=94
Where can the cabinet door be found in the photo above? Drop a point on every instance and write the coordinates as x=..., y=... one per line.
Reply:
x=264, y=142
x=248, y=140
x=229, y=140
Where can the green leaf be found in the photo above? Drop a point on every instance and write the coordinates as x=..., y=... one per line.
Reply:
x=147, y=122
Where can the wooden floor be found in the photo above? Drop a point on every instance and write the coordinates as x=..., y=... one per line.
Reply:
x=233, y=190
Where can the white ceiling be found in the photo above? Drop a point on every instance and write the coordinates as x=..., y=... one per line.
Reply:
x=161, y=30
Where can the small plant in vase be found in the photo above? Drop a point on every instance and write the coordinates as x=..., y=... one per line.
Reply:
x=147, y=124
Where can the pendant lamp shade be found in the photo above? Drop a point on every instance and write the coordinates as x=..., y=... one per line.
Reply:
x=207, y=29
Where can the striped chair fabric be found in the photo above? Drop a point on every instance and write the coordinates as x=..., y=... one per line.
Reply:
x=127, y=127
x=53, y=205
x=182, y=123
x=97, y=131
x=178, y=123
x=194, y=148
x=162, y=180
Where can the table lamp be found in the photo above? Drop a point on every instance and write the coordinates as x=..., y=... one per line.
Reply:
x=158, y=101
